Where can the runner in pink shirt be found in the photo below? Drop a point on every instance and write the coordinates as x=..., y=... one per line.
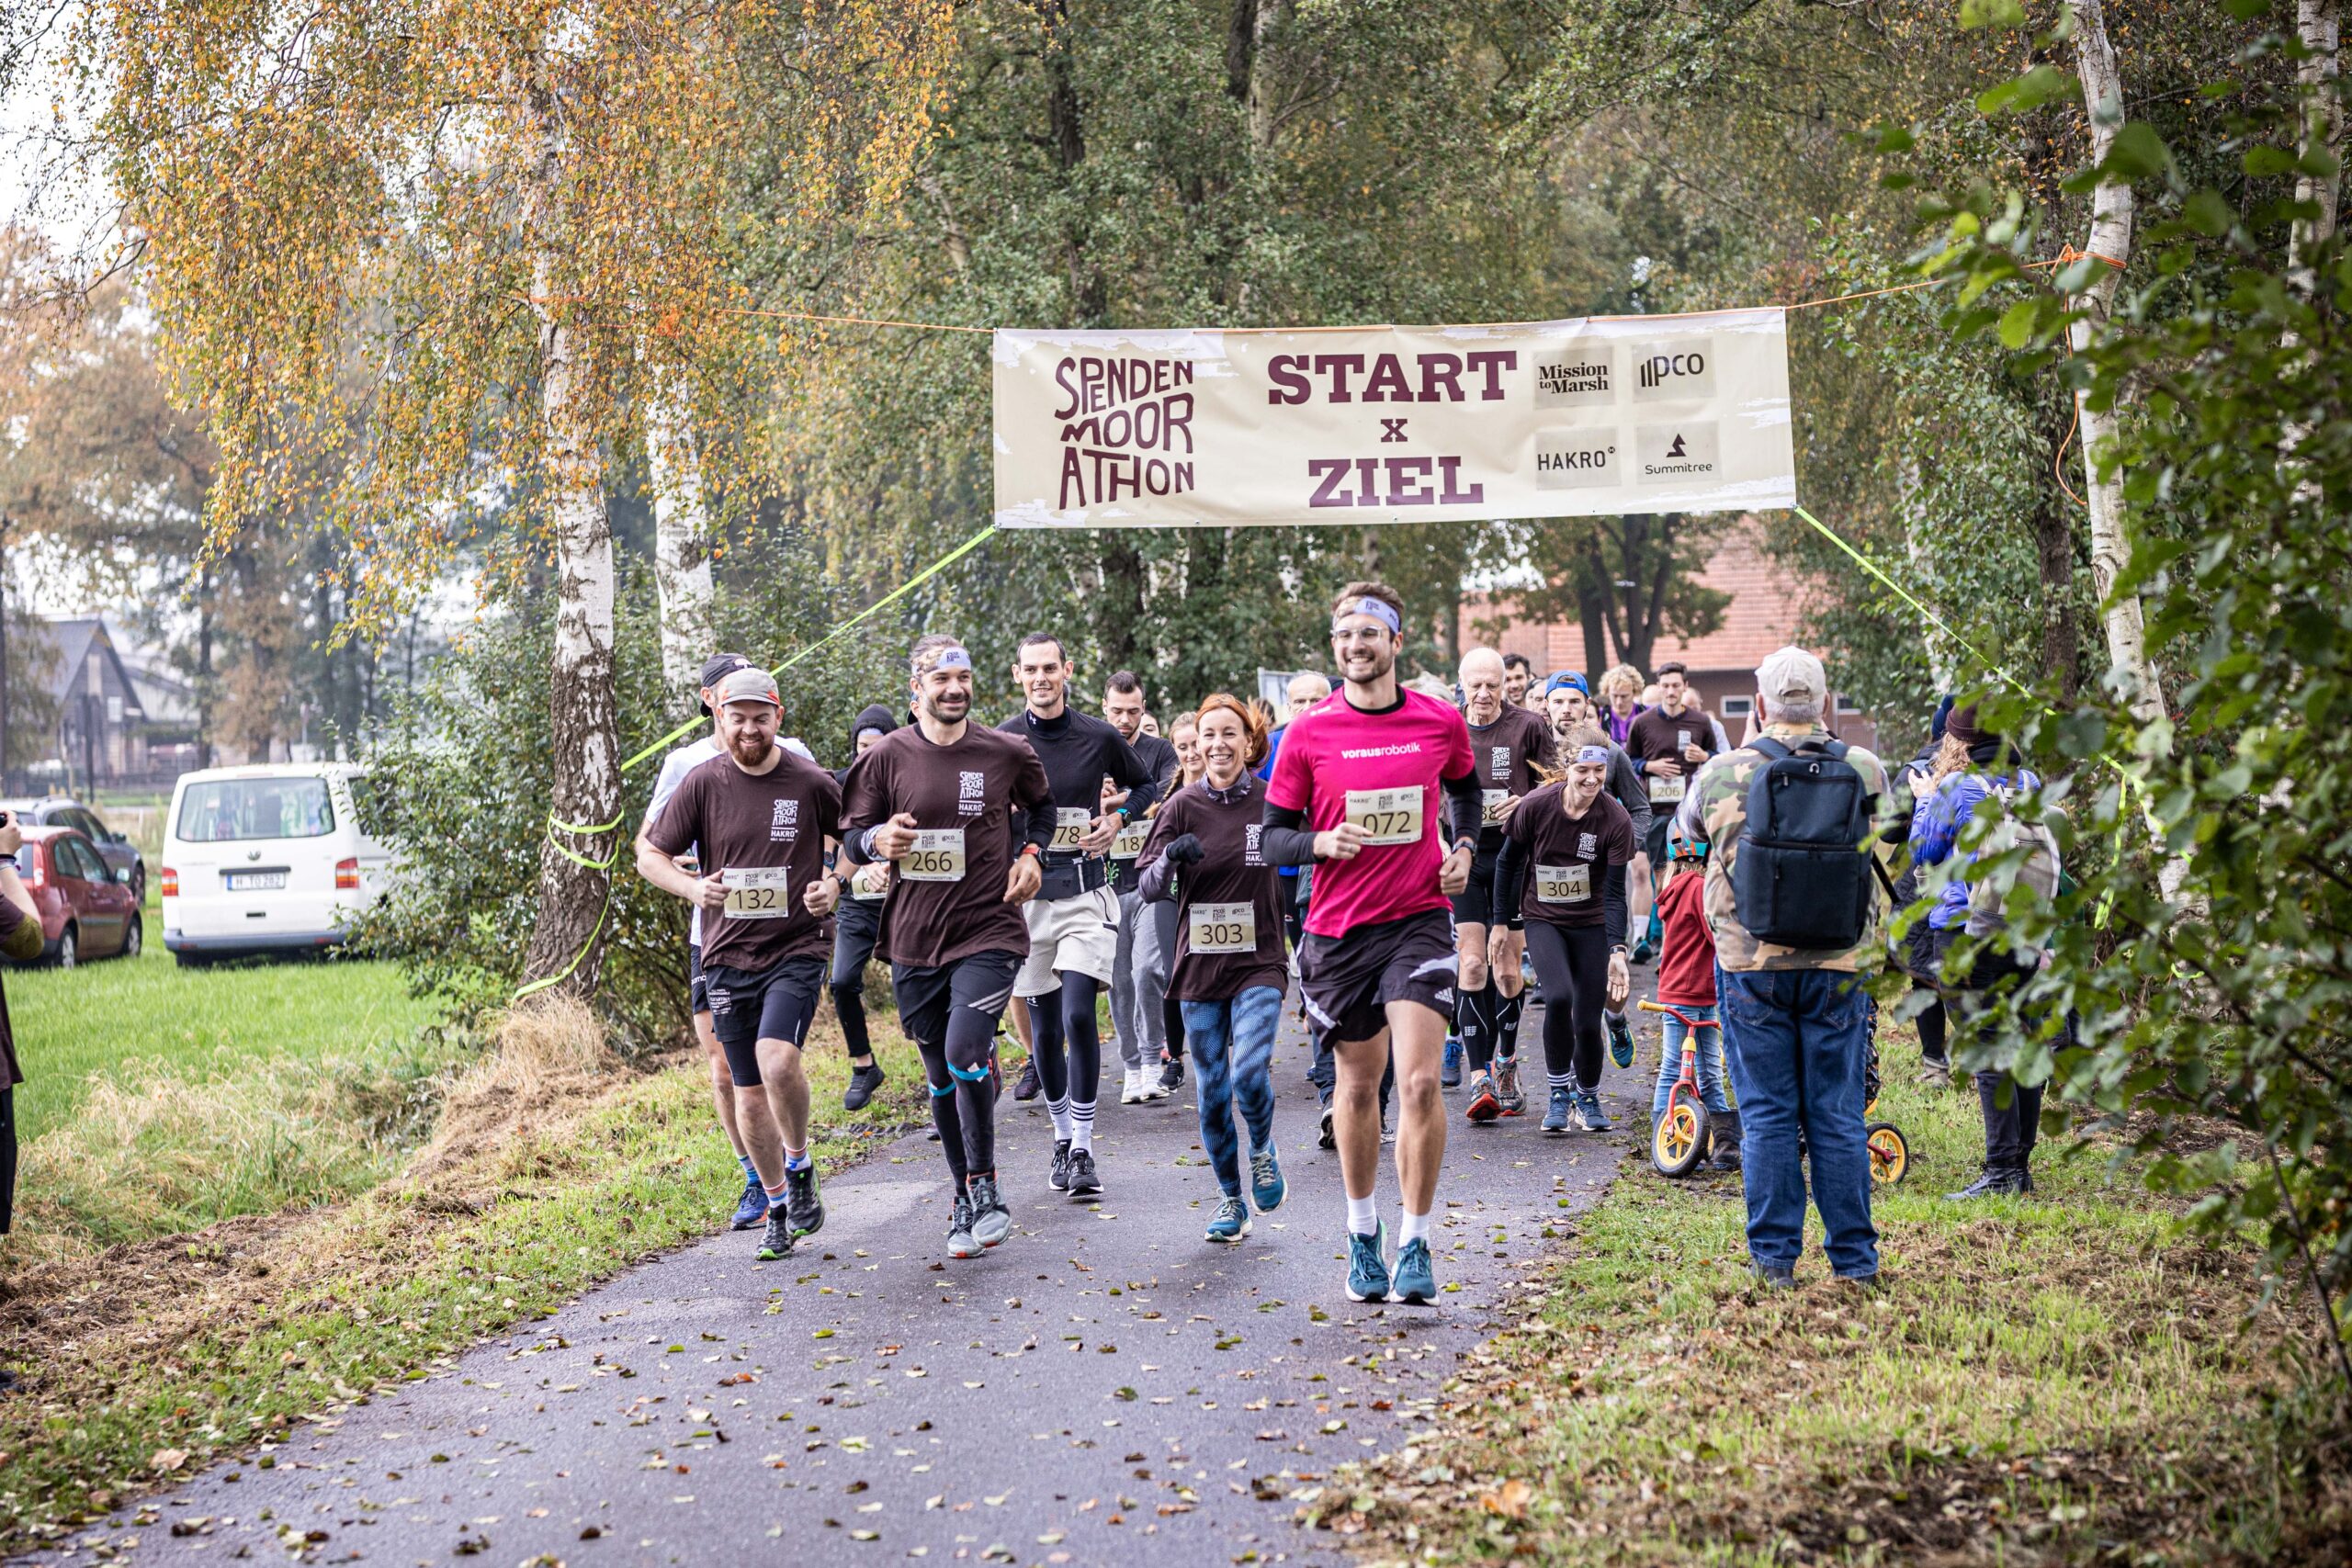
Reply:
x=1356, y=791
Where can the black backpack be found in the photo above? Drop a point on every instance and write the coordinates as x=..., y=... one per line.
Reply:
x=1803, y=876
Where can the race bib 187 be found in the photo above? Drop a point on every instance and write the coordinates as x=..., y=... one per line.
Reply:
x=757, y=892
x=938, y=856
x=1128, y=845
x=1386, y=815
x=1563, y=884
x=1222, y=928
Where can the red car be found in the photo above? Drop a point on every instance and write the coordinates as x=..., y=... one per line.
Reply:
x=84, y=911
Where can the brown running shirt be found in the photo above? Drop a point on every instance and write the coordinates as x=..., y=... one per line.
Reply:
x=748, y=822
x=1508, y=752
x=1231, y=873
x=947, y=898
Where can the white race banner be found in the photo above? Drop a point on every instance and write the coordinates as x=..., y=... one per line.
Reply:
x=1393, y=424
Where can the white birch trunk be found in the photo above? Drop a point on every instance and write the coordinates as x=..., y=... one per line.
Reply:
x=681, y=538
x=2110, y=240
x=570, y=935
x=1944, y=660
x=1264, y=77
x=2318, y=26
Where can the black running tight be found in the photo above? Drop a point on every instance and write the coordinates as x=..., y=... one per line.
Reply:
x=1572, y=962
x=1065, y=1039
x=962, y=1093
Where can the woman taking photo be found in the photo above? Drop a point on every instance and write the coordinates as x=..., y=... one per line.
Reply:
x=1229, y=968
x=1563, y=877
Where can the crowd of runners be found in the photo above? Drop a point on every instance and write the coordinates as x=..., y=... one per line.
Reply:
x=1414, y=864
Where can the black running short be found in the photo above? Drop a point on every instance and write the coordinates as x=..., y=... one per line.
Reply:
x=8, y=1156
x=857, y=926
x=1474, y=905
x=927, y=995
x=1347, y=981
x=697, y=988
x=747, y=1007
x=1653, y=841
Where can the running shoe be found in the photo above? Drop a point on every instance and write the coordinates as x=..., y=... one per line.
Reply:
x=1484, y=1104
x=1085, y=1181
x=1507, y=1091
x=1590, y=1118
x=992, y=1221
x=753, y=1207
x=1058, y=1179
x=1367, y=1269
x=1267, y=1188
x=1416, y=1280
x=1231, y=1221
x=1028, y=1087
x=776, y=1240
x=1132, y=1091
x=1620, y=1038
x=863, y=1082
x=1449, y=1074
x=1556, y=1114
x=1992, y=1184
x=959, y=1231
x=1642, y=951
x=1326, y=1138
x=802, y=1202
x=1172, y=1077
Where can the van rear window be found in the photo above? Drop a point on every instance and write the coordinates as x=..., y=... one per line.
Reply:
x=255, y=808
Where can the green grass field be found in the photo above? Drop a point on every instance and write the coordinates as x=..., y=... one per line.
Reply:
x=111, y=1013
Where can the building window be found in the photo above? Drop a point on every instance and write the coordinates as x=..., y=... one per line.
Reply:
x=1738, y=707
x=1847, y=704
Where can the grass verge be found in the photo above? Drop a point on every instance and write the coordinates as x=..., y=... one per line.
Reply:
x=553, y=1167
x=2057, y=1380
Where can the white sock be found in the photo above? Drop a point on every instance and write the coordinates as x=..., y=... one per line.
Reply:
x=1059, y=1111
x=1363, y=1215
x=1417, y=1228
x=1561, y=1080
x=1081, y=1126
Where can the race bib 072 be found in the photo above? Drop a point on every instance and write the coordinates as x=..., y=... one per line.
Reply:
x=757, y=892
x=1222, y=928
x=1563, y=884
x=1071, y=823
x=938, y=856
x=1386, y=815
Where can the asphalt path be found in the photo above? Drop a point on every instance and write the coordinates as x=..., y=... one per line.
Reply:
x=1104, y=1386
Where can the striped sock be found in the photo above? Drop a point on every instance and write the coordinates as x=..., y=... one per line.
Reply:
x=1561, y=1080
x=751, y=1171
x=795, y=1159
x=775, y=1197
x=1059, y=1111
x=1081, y=1126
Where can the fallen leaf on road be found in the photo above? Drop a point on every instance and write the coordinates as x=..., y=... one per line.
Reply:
x=1509, y=1499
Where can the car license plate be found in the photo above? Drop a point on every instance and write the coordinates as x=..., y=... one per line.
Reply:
x=254, y=880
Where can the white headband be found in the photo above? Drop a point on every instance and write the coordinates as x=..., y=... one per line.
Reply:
x=1378, y=611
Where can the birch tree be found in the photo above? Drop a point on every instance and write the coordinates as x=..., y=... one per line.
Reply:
x=2111, y=252
x=522, y=218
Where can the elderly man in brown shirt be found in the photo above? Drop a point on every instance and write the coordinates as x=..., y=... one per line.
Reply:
x=20, y=939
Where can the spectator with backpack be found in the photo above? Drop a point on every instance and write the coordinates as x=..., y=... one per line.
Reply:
x=1793, y=898
x=1976, y=767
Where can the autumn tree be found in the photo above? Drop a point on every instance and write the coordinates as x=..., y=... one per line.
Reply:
x=523, y=218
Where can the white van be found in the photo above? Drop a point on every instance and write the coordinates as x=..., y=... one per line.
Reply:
x=265, y=858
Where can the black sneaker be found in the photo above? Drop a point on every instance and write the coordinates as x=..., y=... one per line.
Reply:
x=992, y=1221
x=1028, y=1087
x=959, y=1231
x=1172, y=1076
x=863, y=1082
x=802, y=1202
x=1993, y=1184
x=1059, y=1179
x=776, y=1240
x=1084, y=1180
x=1326, y=1138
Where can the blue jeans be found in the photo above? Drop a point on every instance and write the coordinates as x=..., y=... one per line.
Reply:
x=1233, y=1053
x=1798, y=1042
x=1708, y=1068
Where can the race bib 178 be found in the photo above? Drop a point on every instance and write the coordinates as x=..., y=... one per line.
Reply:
x=1071, y=823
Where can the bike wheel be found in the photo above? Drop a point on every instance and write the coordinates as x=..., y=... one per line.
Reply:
x=1890, y=1153
x=1679, y=1140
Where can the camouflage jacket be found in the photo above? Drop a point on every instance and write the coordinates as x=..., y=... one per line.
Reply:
x=1717, y=805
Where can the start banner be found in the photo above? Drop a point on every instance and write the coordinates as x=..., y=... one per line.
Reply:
x=1393, y=424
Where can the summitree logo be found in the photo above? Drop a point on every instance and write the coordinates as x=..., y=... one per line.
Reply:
x=1677, y=453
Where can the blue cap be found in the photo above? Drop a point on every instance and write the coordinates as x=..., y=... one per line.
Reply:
x=1565, y=679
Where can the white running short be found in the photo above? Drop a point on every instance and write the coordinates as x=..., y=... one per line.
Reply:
x=1079, y=934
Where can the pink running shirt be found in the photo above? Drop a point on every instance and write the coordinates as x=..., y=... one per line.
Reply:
x=1330, y=749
